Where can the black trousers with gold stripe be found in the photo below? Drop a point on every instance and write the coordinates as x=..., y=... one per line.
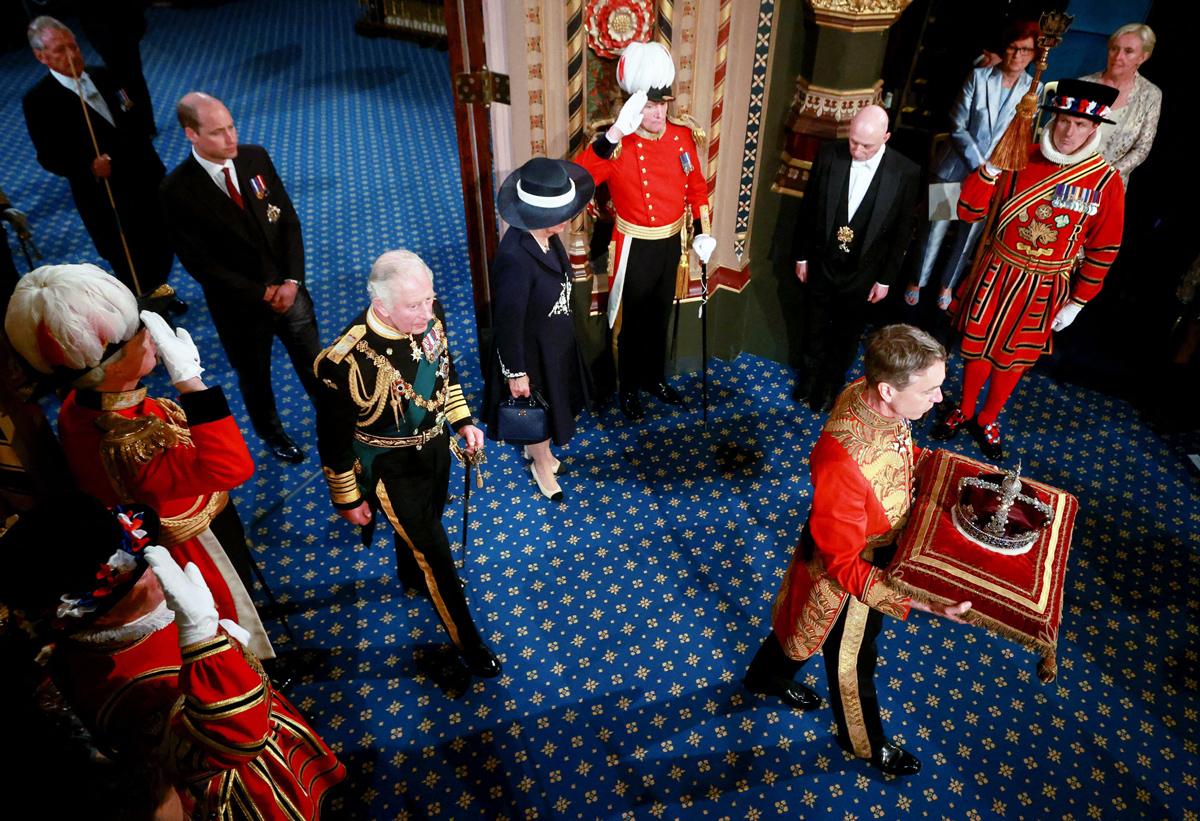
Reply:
x=411, y=487
x=850, y=656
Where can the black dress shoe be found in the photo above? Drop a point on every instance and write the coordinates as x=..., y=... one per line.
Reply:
x=285, y=449
x=792, y=693
x=482, y=662
x=665, y=393
x=989, y=440
x=950, y=423
x=895, y=760
x=177, y=306
x=631, y=406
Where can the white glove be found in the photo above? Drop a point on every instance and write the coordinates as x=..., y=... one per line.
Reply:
x=631, y=113
x=704, y=245
x=187, y=595
x=176, y=350
x=1065, y=316
x=236, y=631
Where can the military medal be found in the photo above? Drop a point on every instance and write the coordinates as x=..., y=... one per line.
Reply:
x=273, y=212
x=845, y=236
x=1076, y=198
x=1043, y=211
x=685, y=160
x=124, y=99
x=431, y=344
x=259, y=186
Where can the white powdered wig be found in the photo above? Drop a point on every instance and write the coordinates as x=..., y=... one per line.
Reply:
x=66, y=315
x=644, y=66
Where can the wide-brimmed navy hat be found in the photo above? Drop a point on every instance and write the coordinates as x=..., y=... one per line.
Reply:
x=544, y=192
x=1081, y=98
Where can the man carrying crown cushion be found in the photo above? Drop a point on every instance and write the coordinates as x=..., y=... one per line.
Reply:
x=652, y=169
x=82, y=326
x=1029, y=283
x=834, y=595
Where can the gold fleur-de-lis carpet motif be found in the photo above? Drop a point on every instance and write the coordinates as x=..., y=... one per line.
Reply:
x=626, y=617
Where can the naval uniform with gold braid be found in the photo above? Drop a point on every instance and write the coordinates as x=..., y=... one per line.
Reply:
x=381, y=432
x=834, y=596
x=651, y=177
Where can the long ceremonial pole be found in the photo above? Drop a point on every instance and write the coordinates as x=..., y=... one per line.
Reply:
x=87, y=118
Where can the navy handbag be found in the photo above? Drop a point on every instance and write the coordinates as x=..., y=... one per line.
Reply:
x=522, y=420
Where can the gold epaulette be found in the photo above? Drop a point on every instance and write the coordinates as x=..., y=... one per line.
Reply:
x=336, y=352
x=129, y=443
x=685, y=120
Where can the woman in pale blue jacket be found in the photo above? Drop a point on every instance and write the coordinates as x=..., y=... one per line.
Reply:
x=982, y=112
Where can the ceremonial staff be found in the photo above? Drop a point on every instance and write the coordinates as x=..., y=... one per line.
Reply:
x=87, y=118
x=1012, y=152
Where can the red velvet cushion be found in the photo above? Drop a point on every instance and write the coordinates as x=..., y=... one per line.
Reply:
x=1020, y=597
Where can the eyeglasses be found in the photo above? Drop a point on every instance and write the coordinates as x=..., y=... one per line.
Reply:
x=1019, y=50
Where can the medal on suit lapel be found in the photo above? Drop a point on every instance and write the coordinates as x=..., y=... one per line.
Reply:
x=273, y=212
x=124, y=99
x=259, y=186
x=845, y=236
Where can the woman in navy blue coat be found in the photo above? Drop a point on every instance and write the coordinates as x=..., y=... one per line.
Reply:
x=534, y=344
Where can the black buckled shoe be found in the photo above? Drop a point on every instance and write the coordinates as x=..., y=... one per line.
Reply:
x=894, y=760
x=665, y=393
x=631, y=406
x=949, y=425
x=482, y=662
x=792, y=693
x=989, y=440
x=285, y=449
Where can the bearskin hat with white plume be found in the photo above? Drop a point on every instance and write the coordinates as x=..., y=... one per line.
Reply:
x=68, y=319
x=646, y=67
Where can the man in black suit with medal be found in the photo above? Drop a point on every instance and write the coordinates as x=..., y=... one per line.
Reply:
x=122, y=159
x=236, y=232
x=856, y=222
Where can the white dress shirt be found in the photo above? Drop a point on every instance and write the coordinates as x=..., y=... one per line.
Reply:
x=90, y=93
x=216, y=172
x=861, y=174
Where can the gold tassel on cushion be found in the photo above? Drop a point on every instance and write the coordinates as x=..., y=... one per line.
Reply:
x=129, y=443
x=1012, y=152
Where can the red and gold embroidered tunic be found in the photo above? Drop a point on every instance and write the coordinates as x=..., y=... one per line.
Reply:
x=862, y=475
x=1029, y=270
x=234, y=746
x=182, y=465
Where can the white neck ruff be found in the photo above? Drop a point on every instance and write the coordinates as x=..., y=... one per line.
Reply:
x=1054, y=155
x=138, y=629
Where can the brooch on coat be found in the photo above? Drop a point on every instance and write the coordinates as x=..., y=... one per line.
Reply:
x=273, y=212
x=845, y=236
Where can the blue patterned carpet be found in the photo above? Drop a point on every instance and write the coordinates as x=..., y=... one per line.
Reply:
x=627, y=617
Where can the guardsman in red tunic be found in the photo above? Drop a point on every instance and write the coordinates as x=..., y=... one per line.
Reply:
x=145, y=662
x=653, y=173
x=82, y=325
x=834, y=595
x=1067, y=203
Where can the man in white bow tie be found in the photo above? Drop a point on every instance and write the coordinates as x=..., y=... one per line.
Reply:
x=96, y=140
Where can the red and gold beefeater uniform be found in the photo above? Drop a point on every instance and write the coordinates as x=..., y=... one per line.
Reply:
x=833, y=598
x=1030, y=268
x=651, y=179
x=234, y=746
x=180, y=459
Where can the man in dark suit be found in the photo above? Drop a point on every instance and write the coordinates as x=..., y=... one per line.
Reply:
x=236, y=232
x=855, y=226
x=122, y=155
